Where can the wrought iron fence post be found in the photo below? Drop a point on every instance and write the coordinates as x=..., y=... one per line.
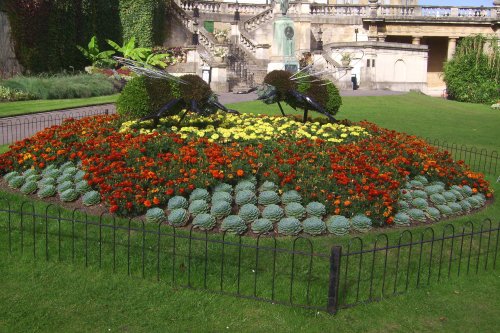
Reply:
x=333, y=288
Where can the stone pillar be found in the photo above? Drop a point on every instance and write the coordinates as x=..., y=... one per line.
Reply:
x=496, y=3
x=219, y=78
x=416, y=40
x=452, y=45
x=373, y=5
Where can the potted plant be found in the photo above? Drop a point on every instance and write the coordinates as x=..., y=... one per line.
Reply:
x=221, y=35
x=346, y=59
x=219, y=54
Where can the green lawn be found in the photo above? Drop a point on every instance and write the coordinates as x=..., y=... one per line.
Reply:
x=44, y=296
x=26, y=107
x=454, y=122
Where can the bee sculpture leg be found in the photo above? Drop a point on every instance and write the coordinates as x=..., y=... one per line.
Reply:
x=157, y=115
x=281, y=109
x=313, y=104
x=223, y=108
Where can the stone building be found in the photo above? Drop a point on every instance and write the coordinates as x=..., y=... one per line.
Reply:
x=389, y=44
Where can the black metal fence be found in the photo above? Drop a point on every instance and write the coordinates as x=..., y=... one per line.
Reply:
x=479, y=160
x=13, y=129
x=279, y=270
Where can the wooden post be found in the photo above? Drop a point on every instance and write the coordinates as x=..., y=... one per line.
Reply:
x=333, y=288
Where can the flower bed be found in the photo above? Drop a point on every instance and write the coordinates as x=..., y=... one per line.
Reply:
x=356, y=172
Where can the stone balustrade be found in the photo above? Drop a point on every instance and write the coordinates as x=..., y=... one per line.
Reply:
x=224, y=7
x=261, y=18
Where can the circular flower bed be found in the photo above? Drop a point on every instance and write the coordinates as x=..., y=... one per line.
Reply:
x=274, y=172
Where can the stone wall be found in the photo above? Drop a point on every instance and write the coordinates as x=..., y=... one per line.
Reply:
x=9, y=65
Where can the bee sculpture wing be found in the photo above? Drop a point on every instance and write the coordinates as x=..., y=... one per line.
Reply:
x=143, y=69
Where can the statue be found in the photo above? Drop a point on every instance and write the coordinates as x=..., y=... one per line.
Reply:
x=284, y=6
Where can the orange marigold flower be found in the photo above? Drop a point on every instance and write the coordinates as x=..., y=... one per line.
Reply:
x=147, y=203
x=240, y=173
x=156, y=201
x=347, y=203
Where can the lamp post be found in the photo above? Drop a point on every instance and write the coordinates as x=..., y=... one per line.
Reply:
x=356, y=32
x=237, y=12
x=319, y=44
x=195, y=39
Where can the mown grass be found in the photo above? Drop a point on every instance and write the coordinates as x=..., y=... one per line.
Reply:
x=63, y=297
x=428, y=117
x=27, y=107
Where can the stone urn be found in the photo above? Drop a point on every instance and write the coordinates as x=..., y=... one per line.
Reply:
x=218, y=59
x=221, y=39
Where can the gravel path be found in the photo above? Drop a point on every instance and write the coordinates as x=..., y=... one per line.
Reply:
x=19, y=127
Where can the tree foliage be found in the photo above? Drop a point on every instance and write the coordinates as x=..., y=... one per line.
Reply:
x=473, y=75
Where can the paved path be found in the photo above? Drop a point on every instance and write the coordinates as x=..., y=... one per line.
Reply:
x=19, y=127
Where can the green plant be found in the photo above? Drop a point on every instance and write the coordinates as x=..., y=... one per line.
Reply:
x=29, y=187
x=362, y=223
x=291, y=196
x=437, y=199
x=417, y=214
x=64, y=186
x=473, y=74
x=245, y=197
x=144, y=20
x=444, y=210
x=314, y=226
x=177, y=202
x=129, y=51
x=153, y=215
x=69, y=195
x=199, y=194
x=402, y=219
x=244, y=185
x=415, y=184
x=272, y=212
x=249, y=213
x=419, y=194
x=405, y=195
x=268, y=186
x=455, y=207
x=433, y=189
x=8, y=176
x=95, y=56
x=47, y=191
x=338, y=225
x=53, y=173
x=70, y=171
x=294, y=209
x=316, y=209
x=433, y=213
x=457, y=194
x=421, y=179
x=47, y=181
x=143, y=95
x=261, y=226
x=222, y=196
x=82, y=186
x=403, y=206
x=220, y=209
x=449, y=196
x=16, y=181
x=268, y=198
x=64, y=178
x=11, y=95
x=178, y=217
x=92, y=198
x=204, y=221
x=466, y=206
x=419, y=203
x=198, y=207
x=223, y=187
x=289, y=226
x=234, y=224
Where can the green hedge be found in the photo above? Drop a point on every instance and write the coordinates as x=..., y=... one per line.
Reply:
x=45, y=33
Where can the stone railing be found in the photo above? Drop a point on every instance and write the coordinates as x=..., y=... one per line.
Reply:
x=338, y=10
x=263, y=17
x=224, y=7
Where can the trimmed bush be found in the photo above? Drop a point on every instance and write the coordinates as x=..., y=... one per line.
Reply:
x=289, y=226
x=314, y=226
x=233, y=224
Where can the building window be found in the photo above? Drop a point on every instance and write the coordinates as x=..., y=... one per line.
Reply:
x=367, y=62
x=373, y=62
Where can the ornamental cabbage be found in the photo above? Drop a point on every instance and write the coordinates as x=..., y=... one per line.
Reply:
x=29, y=187
x=249, y=213
x=204, y=221
x=289, y=226
x=433, y=213
x=69, y=195
x=199, y=194
x=46, y=191
x=260, y=226
x=16, y=181
x=417, y=215
x=233, y=224
x=198, y=207
x=402, y=219
x=314, y=226
x=222, y=196
x=361, y=223
x=338, y=225
x=273, y=213
x=93, y=198
x=291, y=196
x=177, y=202
x=220, y=209
x=244, y=197
x=295, y=209
x=268, y=198
x=315, y=208
x=268, y=186
x=178, y=217
x=153, y=215
x=244, y=185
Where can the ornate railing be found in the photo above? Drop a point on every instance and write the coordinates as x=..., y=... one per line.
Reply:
x=224, y=7
x=263, y=17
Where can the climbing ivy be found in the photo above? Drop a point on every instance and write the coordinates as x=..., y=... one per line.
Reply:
x=142, y=19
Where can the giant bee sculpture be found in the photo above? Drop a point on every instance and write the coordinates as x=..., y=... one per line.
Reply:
x=190, y=93
x=300, y=91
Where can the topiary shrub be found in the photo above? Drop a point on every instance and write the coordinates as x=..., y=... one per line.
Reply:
x=220, y=209
x=47, y=191
x=154, y=215
x=92, y=198
x=64, y=186
x=16, y=181
x=291, y=196
x=281, y=81
x=198, y=207
x=69, y=195
x=316, y=209
x=178, y=217
x=29, y=187
x=245, y=197
x=433, y=213
x=204, y=221
x=222, y=196
x=289, y=226
x=314, y=226
x=177, y=202
x=268, y=186
x=233, y=224
x=223, y=187
x=244, y=185
x=417, y=215
x=273, y=213
x=295, y=209
x=142, y=96
x=437, y=199
x=268, y=198
x=249, y=213
x=361, y=223
x=419, y=203
x=402, y=219
x=338, y=225
x=261, y=226
x=199, y=194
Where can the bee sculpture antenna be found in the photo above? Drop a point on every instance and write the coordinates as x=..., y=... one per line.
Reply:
x=143, y=69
